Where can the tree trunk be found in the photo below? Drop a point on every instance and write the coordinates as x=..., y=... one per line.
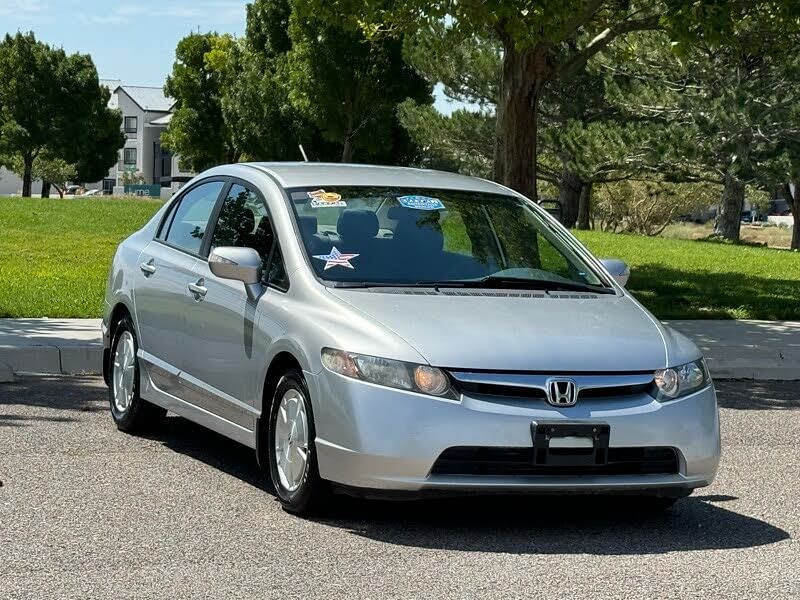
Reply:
x=347, y=149
x=524, y=75
x=27, y=174
x=584, y=205
x=45, y=189
x=569, y=193
x=794, y=205
x=730, y=211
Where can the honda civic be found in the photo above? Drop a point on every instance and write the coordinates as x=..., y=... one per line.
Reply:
x=393, y=331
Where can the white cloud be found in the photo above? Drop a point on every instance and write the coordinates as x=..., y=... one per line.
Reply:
x=23, y=10
x=221, y=12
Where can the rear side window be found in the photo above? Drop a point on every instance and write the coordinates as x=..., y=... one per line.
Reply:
x=190, y=219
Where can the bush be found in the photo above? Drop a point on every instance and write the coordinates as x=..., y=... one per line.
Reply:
x=647, y=207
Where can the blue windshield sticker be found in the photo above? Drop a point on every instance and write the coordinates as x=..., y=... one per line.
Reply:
x=421, y=202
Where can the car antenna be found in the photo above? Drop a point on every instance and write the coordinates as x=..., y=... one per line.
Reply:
x=303, y=152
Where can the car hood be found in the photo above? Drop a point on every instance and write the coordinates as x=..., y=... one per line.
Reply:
x=469, y=329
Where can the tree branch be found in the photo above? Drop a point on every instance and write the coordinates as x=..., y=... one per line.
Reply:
x=603, y=39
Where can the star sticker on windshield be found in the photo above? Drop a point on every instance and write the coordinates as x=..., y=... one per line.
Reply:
x=336, y=259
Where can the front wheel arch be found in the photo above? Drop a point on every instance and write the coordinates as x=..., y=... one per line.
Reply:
x=281, y=363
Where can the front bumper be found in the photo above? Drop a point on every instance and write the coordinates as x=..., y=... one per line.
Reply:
x=368, y=436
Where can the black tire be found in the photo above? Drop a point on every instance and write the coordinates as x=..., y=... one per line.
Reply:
x=139, y=415
x=313, y=493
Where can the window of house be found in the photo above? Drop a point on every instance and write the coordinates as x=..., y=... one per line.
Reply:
x=129, y=156
x=131, y=124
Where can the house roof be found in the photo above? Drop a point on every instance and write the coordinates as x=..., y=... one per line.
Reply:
x=148, y=98
x=112, y=85
x=162, y=121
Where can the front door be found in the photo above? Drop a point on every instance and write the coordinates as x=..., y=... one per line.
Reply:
x=234, y=331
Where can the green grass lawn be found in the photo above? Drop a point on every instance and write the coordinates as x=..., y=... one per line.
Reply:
x=684, y=279
x=55, y=254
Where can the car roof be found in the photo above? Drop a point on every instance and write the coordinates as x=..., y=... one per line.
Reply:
x=311, y=174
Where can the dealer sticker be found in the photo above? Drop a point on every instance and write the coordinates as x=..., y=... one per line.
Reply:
x=421, y=202
x=323, y=199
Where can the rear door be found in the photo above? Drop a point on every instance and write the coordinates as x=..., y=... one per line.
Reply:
x=162, y=297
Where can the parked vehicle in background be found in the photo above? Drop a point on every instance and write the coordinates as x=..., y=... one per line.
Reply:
x=376, y=330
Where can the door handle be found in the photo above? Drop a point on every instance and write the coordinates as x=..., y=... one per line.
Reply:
x=148, y=268
x=198, y=289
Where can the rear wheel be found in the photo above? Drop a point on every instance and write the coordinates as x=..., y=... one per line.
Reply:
x=129, y=411
x=292, y=454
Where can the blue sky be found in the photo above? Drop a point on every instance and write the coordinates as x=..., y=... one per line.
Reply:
x=131, y=40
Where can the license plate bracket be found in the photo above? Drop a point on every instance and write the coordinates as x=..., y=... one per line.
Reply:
x=545, y=455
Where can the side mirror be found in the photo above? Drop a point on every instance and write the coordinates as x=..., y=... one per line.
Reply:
x=239, y=264
x=617, y=269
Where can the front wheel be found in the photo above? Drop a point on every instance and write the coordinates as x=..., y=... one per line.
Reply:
x=292, y=454
x=129, y=411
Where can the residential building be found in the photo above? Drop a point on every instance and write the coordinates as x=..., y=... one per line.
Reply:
x=146, y=112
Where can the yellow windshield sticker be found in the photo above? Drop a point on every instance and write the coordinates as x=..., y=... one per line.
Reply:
x=322, y=199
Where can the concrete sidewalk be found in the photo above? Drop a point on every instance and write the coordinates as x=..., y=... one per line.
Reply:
x=65, y=346
x=765, y=350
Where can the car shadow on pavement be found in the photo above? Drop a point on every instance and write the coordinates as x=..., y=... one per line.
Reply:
x=511, y=524
x=52, y=399
x=555, y=525
x=217, y=451
x=749, y=394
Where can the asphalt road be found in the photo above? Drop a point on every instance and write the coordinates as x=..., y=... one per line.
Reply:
x=89, y=512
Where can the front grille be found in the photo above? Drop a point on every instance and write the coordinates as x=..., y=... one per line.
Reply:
x=488, y=460
x=601, y=386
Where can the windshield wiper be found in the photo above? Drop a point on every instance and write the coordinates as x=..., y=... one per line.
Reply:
x=491, y=281
x=540, y=284
x=525, y=283
x=379, y=284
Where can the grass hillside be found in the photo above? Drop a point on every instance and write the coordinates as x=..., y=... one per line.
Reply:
x=55, y=254
x=683, y=279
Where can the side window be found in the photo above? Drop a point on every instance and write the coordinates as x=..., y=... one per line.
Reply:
x=244, y=222
x=275, y=273
x=162, y=231
x=191, y=216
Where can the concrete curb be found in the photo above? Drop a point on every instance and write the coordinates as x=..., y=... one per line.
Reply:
x=760, y=350
x=53, y=360
x=6, y=373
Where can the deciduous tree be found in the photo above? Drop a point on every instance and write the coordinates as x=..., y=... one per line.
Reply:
x=197, y=131
x=349, y=86
x=52, y=102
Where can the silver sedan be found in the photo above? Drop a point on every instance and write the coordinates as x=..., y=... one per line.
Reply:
x=380, y=330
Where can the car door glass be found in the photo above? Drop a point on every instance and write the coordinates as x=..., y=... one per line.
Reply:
x=165, y=223
x=191, y=217
x=243, y=222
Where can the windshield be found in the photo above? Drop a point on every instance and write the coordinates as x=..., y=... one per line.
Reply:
x=403, y=236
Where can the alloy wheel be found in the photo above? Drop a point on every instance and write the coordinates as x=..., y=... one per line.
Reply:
x=291, y=440
x=124, y=373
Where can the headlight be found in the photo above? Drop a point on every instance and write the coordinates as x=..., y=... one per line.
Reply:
x=423, y=379
x=679, y=381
